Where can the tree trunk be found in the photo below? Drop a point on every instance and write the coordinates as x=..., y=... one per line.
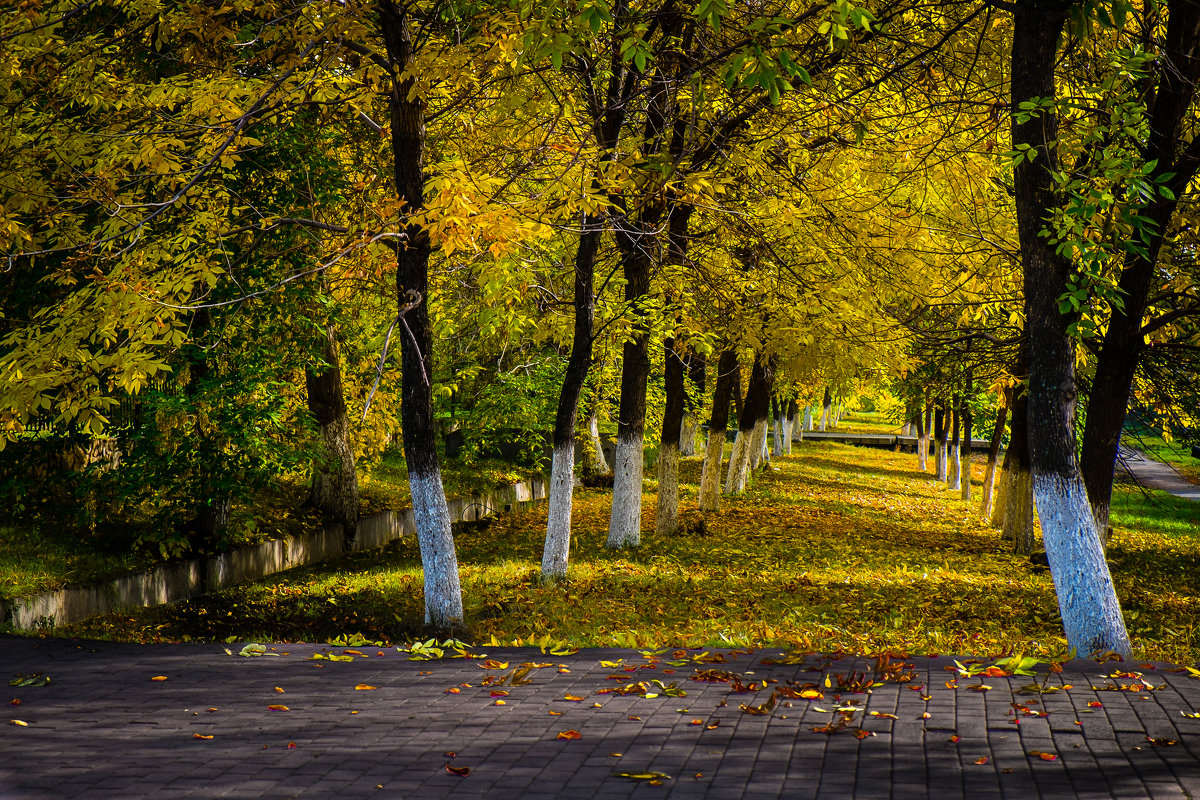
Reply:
x=793, y=420
x=443, y=595
x=557, y=547
x=1178, y=73
x=826, y=409
x=922, y=442
x=624, y=526
x=667, y=510
x=964, y=459
x=1017, y=515
x=808, y=421
x=754, y=409
x=710, y=473
x=335, y=478
x=1087, y=601
x=954, y=467
x=989, y=477
x=777, y=427
x=594, y=461
x=939, y=441
x=696, y=368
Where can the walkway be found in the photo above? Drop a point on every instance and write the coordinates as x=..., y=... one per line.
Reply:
x=1157, y=475
x=191, y=721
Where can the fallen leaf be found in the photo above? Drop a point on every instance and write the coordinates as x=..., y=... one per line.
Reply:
x=1191, y=716
x=1042, y=756
x=636, y=719
x=615, y=755
x=210, y=710
x=696, y=722
x=981, y=760
x=859, y=733
x=883, y=715
x=498, y=693
x=159, y=678
x=555, y=713
x=278, y=708
x=461, y=772
x=202, y=736
x=1161, y=742
x=712, y=726
x=572, y=698
x=563, y=671
x=1095, y=704
x=291, y=746
x=644, y=776
x=452, y=690
x=491, y=663
x=956, y=739
x=19, y=722
x=980, y=687
x=279, y=689
x=450, y=754
x=16, y=701
x=926, y=715
x=351, y=652
x=362, y=687
x=499, y=703
x=570, y=735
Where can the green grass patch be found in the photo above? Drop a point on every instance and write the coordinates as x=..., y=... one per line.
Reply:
x=837, y=548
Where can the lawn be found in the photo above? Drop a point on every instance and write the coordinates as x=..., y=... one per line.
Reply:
x=836, y=548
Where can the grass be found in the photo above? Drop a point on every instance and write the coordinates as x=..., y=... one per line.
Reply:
x=43, y=558
x=840, y=548
x=866, y=422
x=1177, y=454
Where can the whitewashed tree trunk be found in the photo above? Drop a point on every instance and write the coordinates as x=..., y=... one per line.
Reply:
x=739, y=464
x=954, y=474
x=758, y=445
x=687, y=434
x=625, y=524
x=1087, y=600
x=594, y=450
x=808, y=421
x=710, y=472
x=556, y=552
x=667, y=510
x=777, y=440
x=443, y=594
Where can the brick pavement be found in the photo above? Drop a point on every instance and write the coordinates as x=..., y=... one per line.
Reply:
x=103, y=729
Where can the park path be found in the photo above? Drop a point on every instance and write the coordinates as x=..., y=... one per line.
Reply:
x=1156, y=475
x=193, y=721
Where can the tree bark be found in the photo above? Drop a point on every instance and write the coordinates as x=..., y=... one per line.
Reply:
x=826, y=408
x=443, y=595
x=1123, y=344
x=710, y=473
x=557, y=547
x=964, y=456
x=922, y=442
x=954, y=466
x=939, y=440
x=666, y=514
x=989, y=477
x=335, y=477
x=1087, y=600
x=1017, y=516
x=778, y=425
x=594, y=461
x=696, y=368
x=754, y=410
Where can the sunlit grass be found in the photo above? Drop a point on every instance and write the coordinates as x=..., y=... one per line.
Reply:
x=837, y=548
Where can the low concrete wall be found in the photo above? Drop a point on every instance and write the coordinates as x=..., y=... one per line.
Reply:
x=172, y=582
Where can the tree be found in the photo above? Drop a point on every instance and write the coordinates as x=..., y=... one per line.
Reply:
x=1087, y=600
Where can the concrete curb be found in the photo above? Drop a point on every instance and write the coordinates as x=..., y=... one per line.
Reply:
x=170, y=583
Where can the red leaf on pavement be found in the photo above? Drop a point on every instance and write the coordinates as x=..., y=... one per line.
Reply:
x=570, y=735
x=461, y=772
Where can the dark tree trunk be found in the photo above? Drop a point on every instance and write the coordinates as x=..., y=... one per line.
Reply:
x=696, y=368
x=922, y=442
x=953, y=464
x=556, y=551
x=1087, y=600
x=826, y=409
x=939, y=439
x=755, y=407
x=624, y=527
x=335, y=477
x=964, y=453
x=1178, y=73
x=443, y=595
x=989, y=478
x=728, y=375
x=666, y=513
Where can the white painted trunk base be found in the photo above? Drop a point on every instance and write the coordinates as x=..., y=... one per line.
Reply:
x=1087, y=600
x=625, y=523
x=666, y=512
x=954, y=471
x=710, y=473
x=987, y=494
x=739, y=464
x=758, y=445
x=808, y=417
x=943, y=460
x=777, y=437
x=443, y=595
x=687, y=434
x=596, y=447
x=923, y=453
x=556, y=552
